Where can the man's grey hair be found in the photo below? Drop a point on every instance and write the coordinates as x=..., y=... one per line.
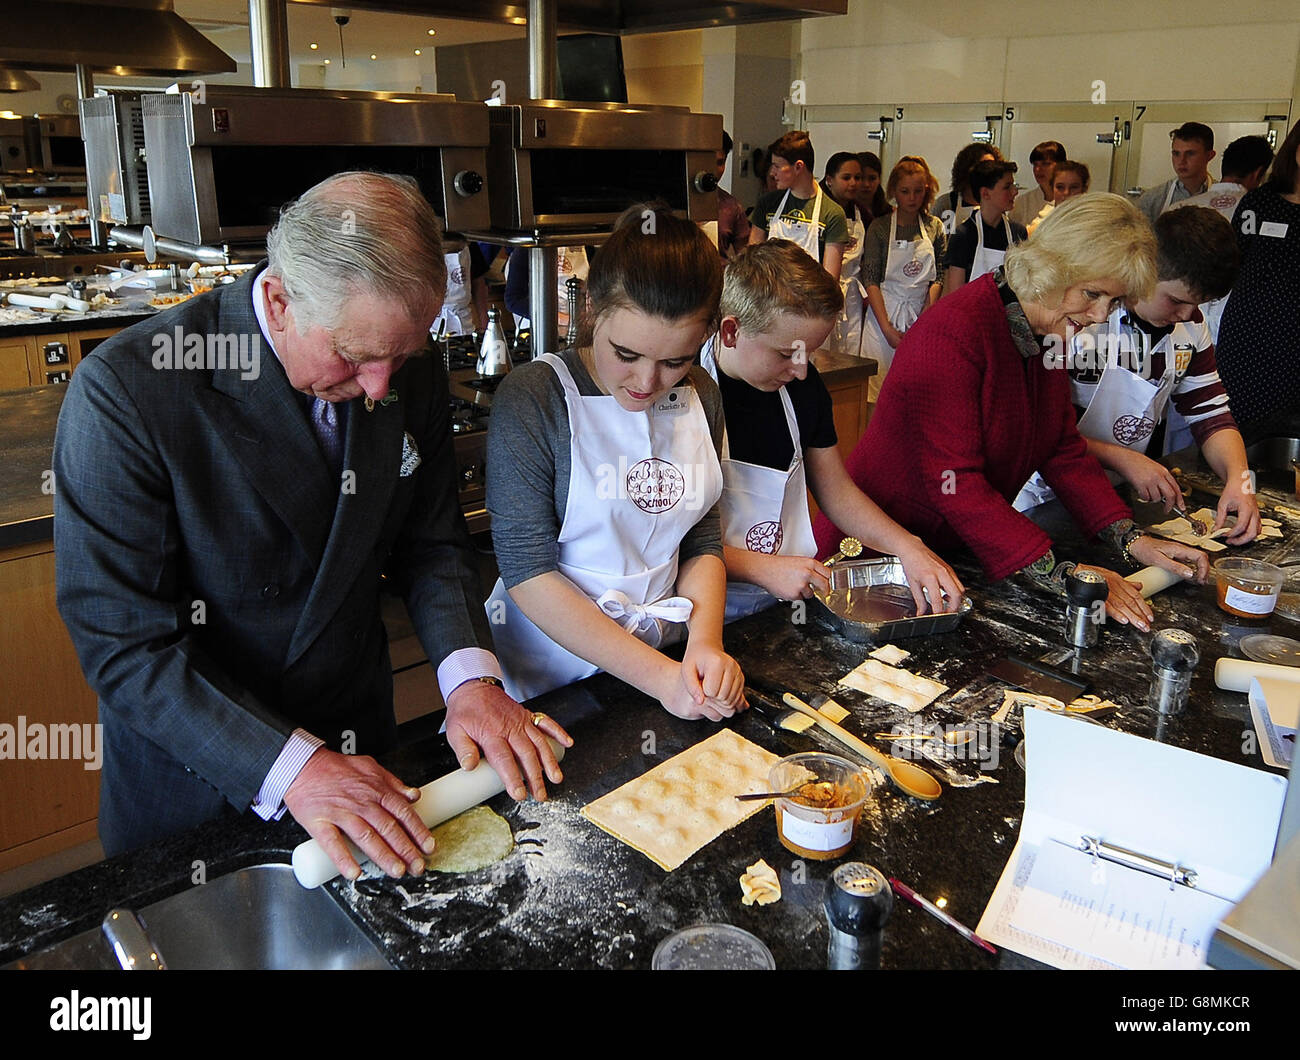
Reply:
x=358, y=233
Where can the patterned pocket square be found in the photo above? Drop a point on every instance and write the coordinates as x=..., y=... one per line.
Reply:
x=411, y=458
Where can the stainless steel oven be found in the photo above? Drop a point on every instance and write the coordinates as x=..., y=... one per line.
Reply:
x=558, y=165
x=224, y=160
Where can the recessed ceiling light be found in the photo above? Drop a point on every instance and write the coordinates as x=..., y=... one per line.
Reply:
x=433, y=32
x=313, y=47
x=373, y=55
x=327, y=62
x=417, y=51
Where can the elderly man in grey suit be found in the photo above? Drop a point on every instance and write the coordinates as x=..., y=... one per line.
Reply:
x=233, y=478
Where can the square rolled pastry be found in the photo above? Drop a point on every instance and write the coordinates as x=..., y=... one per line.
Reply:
x=687, y=802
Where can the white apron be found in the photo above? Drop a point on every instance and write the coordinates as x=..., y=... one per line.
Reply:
x=909, y=271
x=986, y=260
x=457, y=312
x=569, y=261
x=622, y=528
x=849, y=327
x=1124, y=409
x=805, y=233
x=763, y=510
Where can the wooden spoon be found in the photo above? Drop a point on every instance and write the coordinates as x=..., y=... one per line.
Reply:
x=911, y=779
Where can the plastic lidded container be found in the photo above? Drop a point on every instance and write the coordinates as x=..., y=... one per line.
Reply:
x=820, y=821
x=1248, y=587
x=712, y=947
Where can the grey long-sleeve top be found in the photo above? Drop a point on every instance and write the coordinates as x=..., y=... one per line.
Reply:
x=528, y=467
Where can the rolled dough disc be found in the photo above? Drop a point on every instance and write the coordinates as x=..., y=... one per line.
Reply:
x=474, y=840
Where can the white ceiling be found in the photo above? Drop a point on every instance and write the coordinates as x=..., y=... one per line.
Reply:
x=225, y=23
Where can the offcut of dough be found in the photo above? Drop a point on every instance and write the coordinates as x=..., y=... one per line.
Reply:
x=890, y=654
x=1014, y=697
x=803, y=722
x=688, y=801
x=760, y=884
x=900, y=687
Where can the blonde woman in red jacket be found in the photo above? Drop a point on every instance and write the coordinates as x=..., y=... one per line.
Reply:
x=977, y=399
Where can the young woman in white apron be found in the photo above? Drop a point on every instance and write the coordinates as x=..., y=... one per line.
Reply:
x=843, y=177
x=911, y=267
x=643, y=472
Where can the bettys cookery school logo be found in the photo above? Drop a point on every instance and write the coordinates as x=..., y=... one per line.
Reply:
x=764, y=538
x=654, y=485
x=197, y=350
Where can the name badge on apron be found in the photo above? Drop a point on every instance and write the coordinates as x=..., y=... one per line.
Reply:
x=1276, y=229
x=676, y=402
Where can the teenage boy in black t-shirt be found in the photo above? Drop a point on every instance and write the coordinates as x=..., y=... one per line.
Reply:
x=778, y=306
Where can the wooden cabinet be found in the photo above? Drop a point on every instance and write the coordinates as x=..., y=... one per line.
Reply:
x=14, y=371
x=847, y=379
x=38, y=360
x=46, y=804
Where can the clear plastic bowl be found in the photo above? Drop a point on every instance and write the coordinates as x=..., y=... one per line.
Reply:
x=1248, y=587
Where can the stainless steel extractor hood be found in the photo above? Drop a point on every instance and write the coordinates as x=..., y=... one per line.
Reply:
x=12, y=80
x=611, y=16
x=131, y=37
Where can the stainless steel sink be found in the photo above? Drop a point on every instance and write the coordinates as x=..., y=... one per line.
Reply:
x=257, y=917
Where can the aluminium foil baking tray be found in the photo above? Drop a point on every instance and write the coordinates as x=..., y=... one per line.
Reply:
x=869, y=602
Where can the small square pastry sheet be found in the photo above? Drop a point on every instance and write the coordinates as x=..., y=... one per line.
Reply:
x=687, y=802
x=900, y=687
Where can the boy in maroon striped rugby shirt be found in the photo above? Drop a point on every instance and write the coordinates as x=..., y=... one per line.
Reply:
x=1125, y=373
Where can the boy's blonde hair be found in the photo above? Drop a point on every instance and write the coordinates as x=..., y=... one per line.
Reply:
x=775, y=277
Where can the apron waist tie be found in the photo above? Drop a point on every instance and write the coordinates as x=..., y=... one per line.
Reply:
x=633, y=617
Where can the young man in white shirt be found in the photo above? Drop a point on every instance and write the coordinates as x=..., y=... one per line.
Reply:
x=1193, y=147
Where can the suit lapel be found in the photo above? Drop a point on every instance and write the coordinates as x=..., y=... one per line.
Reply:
x=262, y=423
x=370, y=462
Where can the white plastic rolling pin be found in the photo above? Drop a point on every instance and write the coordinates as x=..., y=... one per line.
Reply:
x=1152, y=580
x=440, y=800
x=1233, y=675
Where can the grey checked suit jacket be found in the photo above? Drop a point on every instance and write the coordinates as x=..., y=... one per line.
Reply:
x=179, y=488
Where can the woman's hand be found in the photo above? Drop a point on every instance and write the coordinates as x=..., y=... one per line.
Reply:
x=1237, y=498
x=1124, y=602
x=935, y=585
x=892, y=335
x=1183, y=560
x=792, y=577
x=1153, y=482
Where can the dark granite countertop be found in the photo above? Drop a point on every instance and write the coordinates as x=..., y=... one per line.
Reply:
x=571, y=896
x=27, y=421
x=49, y=323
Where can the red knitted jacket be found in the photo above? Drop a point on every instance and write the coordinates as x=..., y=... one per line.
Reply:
x=963, y=419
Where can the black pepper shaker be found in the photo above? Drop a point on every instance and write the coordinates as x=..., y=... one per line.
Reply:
x=858, y=902
x=1084, y=590
x=1173, y=658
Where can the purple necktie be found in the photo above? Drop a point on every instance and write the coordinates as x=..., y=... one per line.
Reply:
x=325, y=422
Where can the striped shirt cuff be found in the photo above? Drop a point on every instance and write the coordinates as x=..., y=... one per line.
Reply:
x=463, y=665
x=269, y=804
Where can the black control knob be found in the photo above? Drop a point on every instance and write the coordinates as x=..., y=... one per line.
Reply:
x=705, y=182
x=467, y=183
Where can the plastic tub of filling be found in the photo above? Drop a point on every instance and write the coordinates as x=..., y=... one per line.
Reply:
x=820, y=819
x=1248, y=587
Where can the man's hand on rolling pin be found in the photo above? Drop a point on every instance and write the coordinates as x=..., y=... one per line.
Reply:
x=1124, y=601
x=353, y=795
x=482, y=717
x=935, y=585
x=1237, y=498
